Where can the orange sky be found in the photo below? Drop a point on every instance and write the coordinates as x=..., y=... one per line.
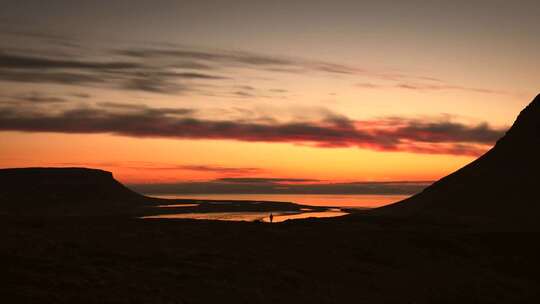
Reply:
x=129, y=159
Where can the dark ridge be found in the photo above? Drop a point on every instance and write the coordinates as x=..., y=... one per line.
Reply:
x=66, y=191
x=93, y=192
x=500, y=187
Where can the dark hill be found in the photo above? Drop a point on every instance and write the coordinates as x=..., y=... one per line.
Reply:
x=67, y=191
x=83, y=192
x=499, y=187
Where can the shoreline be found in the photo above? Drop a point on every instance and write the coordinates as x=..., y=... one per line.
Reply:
x=238, y=210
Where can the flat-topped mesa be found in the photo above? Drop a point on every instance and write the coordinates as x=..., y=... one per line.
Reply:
x=500, y=186
x=30, y=189
x=55, y=175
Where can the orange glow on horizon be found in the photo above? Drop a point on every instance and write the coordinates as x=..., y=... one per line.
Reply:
x=166, y=161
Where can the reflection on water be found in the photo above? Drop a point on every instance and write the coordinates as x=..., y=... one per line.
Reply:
x=177, y=205
x=281, y=217
x=334, y=200
x=223, y=216
x=249, y=216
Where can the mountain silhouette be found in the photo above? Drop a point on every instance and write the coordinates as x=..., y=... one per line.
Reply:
x=64, y=191
x=94, y=192
x=499, y=187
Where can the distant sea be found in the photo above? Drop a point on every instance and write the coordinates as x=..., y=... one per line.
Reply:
x=331, y=200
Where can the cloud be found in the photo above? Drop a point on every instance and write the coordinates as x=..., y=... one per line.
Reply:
x=81, y=95
x=271, y=187
x=439, y=136
x=22, y=62
x=229, y=58
x=441, y=130
x=439, y=87
x=152, y=166
x=143, y=109
x=266, y=180
x=243, y=94
x=428, y=84
x=181, y=69
x=222, y=170
x=220, y=59
x=41, y=76
x=34, y=98
x=157, y=62
x=119, y=74
x=368, y=85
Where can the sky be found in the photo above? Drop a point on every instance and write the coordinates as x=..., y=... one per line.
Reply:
x=271, y=94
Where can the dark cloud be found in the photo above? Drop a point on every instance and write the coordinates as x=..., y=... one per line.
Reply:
x=446, y=131
x=151, y=166
x=243, y=94
x=153, y=84
x=182, y=56
x=428, y=84
x=119, y=74
x=31, y=63
x=143, y=110
x=267, y=180
x=369, y=85
x=271, y=187
x=333, y=68
x=43, y=76
x=222, y=170
x=223, y=57
x=394, y=134
x=81, y=95
x=219, y=59
x=173, y=70
x=418, y=86
x=34, y=98
x=196, y=76
x=250, y=92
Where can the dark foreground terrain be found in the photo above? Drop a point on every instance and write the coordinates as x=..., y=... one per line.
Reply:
x=358, y=259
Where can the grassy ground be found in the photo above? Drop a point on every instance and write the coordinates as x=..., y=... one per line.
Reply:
x=362, y=259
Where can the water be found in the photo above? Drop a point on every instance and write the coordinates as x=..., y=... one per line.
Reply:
x=283, y=217
x=330, y=200
x=178, y=205
x=249, y=216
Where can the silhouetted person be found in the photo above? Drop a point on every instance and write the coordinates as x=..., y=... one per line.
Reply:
x=271, y=217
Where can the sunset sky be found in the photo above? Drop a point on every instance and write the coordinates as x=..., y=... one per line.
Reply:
x=285, y=92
